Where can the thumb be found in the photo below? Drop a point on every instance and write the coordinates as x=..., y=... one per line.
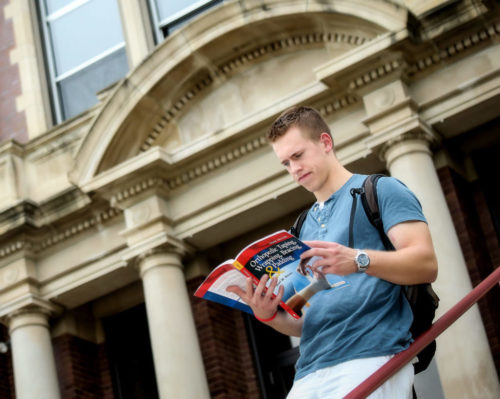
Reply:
x=235, y=290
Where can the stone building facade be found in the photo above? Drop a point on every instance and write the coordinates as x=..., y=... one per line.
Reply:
x=109, y=219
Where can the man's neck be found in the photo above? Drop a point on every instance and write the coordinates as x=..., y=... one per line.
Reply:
x=338, y=177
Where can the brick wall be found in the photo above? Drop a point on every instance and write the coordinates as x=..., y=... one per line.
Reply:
x=82, y=369
x=12, y=123
x=224, y=345
x=479, y=242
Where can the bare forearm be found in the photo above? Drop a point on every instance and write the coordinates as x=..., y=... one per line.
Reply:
x=406, y=266
x=287, y=325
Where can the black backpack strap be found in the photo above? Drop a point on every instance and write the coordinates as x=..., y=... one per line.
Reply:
x=369, y=199
x=354, y=192
x=297, y=226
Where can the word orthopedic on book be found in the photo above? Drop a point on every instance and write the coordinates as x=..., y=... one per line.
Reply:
x=277, y=255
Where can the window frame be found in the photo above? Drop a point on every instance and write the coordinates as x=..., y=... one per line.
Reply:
x=160, y=26
x=49, y=55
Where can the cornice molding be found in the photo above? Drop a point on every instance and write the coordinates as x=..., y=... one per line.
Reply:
x=77, y=228
x=182, y=178
x=13, y=247
x=133, y=190
x=215, y=162
x=337, y=105
x=397, y=64
x=24, y=213
x=457, y=47
x=31, y=243
x=450, y=13
x=395, y=54
x=12, y=147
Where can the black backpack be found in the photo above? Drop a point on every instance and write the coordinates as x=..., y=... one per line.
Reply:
x=422, y=298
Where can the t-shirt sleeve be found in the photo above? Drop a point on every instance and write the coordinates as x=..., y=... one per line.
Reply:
x=397, y=203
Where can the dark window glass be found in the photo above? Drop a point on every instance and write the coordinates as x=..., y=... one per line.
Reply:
x=130, y=356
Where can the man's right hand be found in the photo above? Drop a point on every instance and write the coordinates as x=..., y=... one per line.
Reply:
x=259, y=299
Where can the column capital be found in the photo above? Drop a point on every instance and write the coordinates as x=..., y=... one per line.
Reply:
x=30, y=302
x=158, y=243
x=30, y=310
x=28, y=317
x=165, y=255
x=421, y=140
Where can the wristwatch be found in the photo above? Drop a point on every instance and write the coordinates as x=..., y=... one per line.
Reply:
x=362, y=261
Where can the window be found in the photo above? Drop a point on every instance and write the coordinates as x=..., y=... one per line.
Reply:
x=169, y=15
x=274, y=359
x=130, y=356
x=85, y=51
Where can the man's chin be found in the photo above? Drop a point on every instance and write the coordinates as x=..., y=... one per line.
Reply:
x=305, y=180
x=308, y=187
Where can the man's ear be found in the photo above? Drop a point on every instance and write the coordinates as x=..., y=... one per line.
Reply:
x=327, y=141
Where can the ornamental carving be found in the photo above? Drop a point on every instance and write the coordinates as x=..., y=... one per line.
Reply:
x=230, y=67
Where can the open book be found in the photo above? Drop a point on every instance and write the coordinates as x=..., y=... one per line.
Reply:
x=277, y=255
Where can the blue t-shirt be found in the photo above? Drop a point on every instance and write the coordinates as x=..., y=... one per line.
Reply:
x=370, y=316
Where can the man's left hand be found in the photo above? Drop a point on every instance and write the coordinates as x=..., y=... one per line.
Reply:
x=334, y=258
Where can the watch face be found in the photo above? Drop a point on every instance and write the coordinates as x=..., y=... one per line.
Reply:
x=363, y=260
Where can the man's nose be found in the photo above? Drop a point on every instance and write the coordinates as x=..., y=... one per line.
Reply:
x=295, y=166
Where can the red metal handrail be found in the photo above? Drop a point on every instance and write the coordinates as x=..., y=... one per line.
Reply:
x=398, y=361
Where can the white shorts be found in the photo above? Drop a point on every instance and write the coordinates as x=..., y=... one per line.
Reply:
x=337, y=381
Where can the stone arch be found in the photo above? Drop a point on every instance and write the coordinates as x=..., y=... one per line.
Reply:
x=206, y=56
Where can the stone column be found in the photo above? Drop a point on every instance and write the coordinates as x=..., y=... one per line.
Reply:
x=35, y=374
x=463, y=355
x=176, y=352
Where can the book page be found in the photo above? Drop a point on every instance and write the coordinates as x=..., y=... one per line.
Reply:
x=215, y=285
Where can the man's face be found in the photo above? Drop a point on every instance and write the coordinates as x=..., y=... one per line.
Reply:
x=305, y=159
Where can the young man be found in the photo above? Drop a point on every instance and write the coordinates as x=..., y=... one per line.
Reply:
x=347, y=334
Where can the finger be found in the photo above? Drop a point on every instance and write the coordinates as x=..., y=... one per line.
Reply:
x=250, y=286
x=279, y=295
x=261, y=286
x=271, y=288
x=314, y=252
x=320, y=262
x=302, y=266
x=319, y=244
x=236, y=290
